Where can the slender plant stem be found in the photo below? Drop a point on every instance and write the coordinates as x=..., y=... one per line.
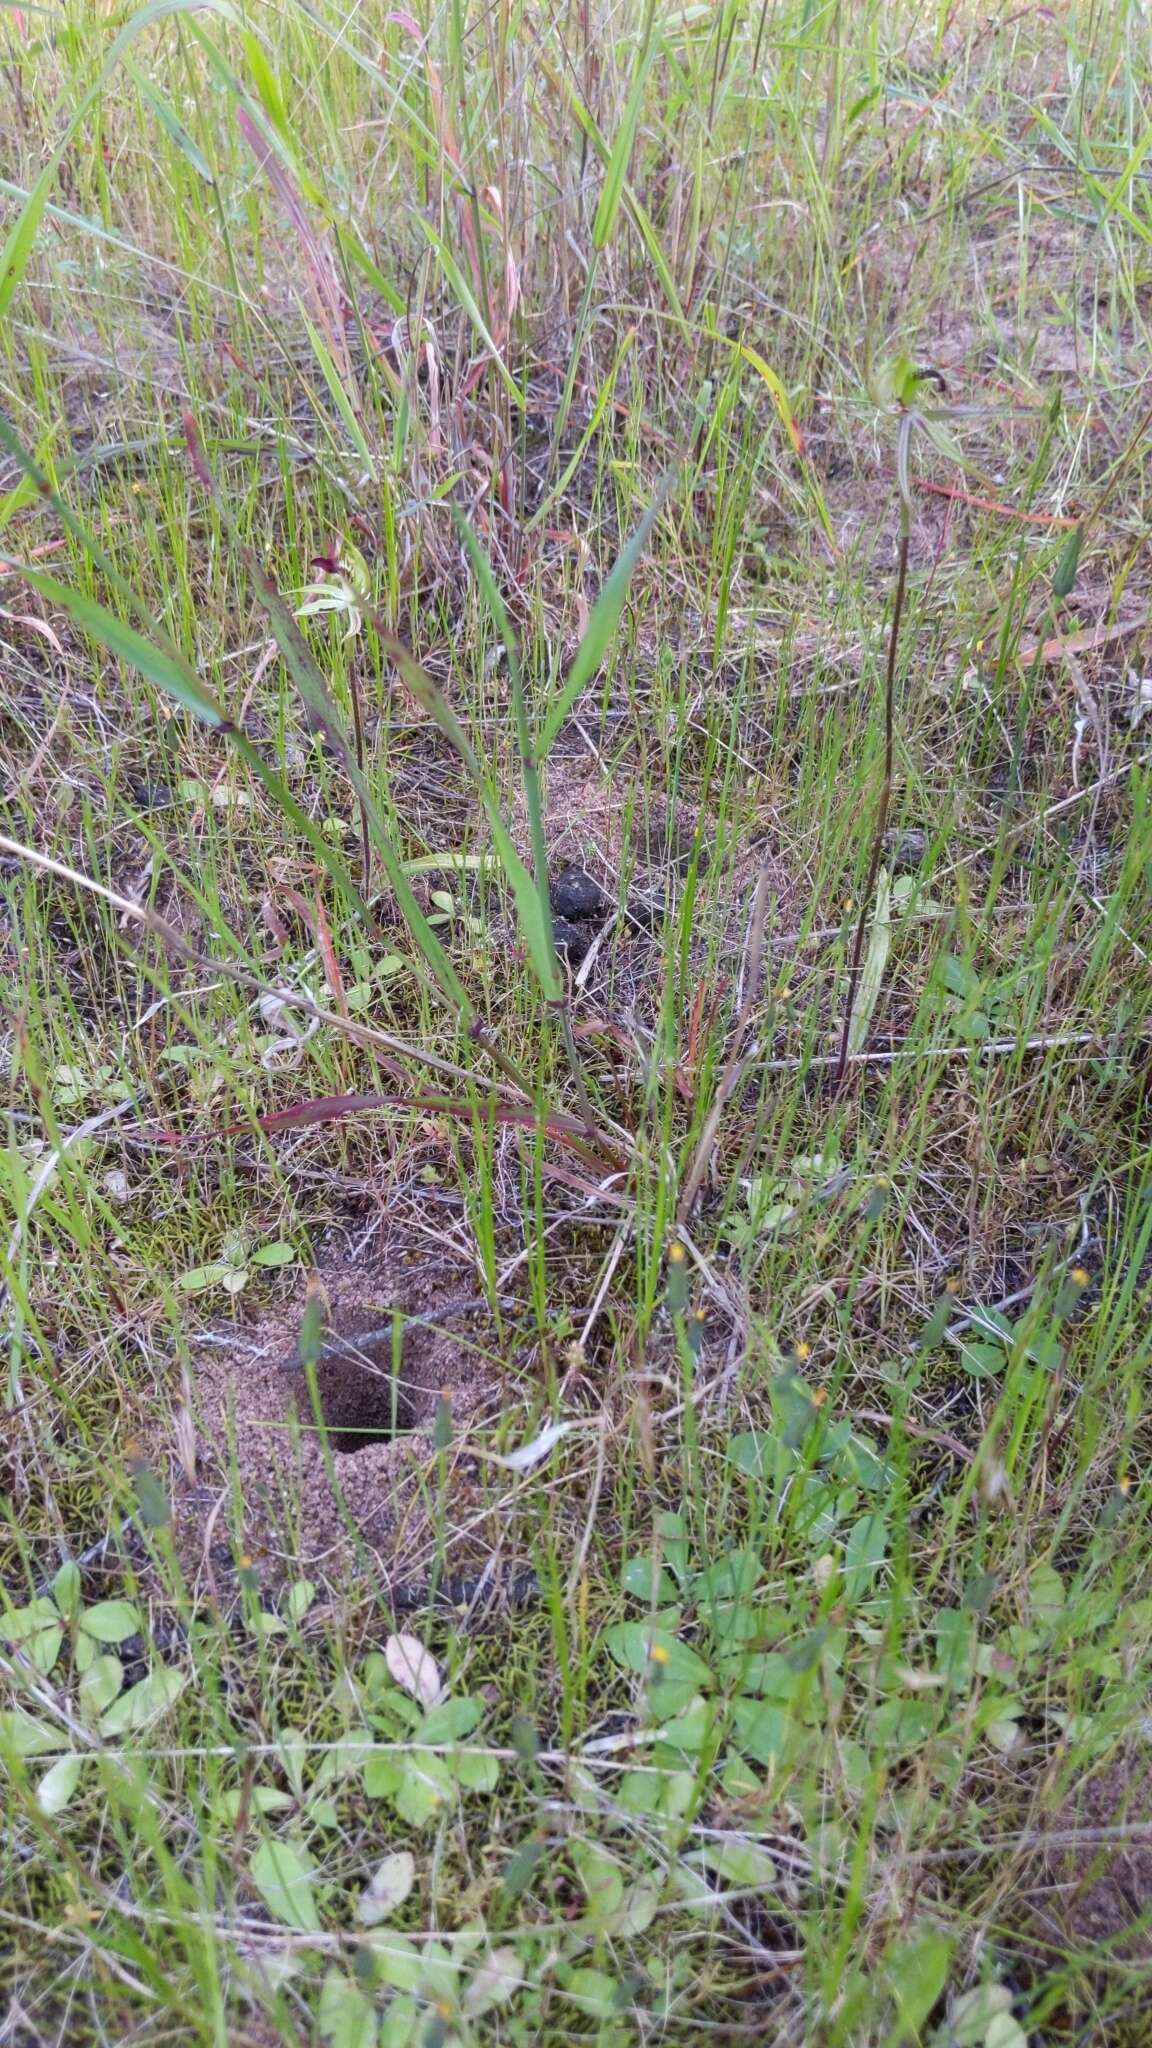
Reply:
x=358, y=740
x=885, y=797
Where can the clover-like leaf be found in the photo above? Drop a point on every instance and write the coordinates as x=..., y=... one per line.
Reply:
x=282, y=1875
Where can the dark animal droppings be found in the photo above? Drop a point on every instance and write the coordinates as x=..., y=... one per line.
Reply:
x=574, y=941
x=576, y=897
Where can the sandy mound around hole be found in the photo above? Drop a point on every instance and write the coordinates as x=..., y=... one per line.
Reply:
x=403, y=1343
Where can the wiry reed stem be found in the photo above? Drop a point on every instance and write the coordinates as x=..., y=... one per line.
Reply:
x=885, y=796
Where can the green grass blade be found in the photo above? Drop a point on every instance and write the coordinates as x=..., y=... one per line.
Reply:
x=533, y=913
x=175, y=676
x=603, y=622
x=339, y=396
x=324, y=717
x=171, y=123
x=467, y=298
x=22, y=234
x=616, y=172
x=18, y=246
x=170, y=663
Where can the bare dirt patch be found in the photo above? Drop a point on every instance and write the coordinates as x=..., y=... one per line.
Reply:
x=1095, y=1875
x=406, y=1365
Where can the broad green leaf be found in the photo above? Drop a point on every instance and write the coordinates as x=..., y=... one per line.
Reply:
x=600, y=1875
x=691, y=1887
x=1003, y=1733
x=917, y=1971
x=645, y=1579
x=200, y=1278
x=282, y=1875
x=864, y=1553
x=904, y=1725
x=111, y=1621
x=1046, y=1594
x=932, y=1335
x=396, y=1959
x=956, y=976
x=58, y=1786
x=768, y=1672
x=451, y=1721
x=100, y=1684
x=36, y=1631
x=674, y=1671
x=592, y=1991
x=152, y=1502
x=400, y=2023
x=670, y=1529
x=301, y=1594
x=762, y=1729
x=975, y=2012
x=347, y=2016
x=494, y=1982
x=688, y=1730
x=741, y=1862
x=144, y=1702
x=859, y=1460
x=728, y=1578
x=383, y=1772
x=263, y=1799
x=475, y=1770
x=522, y=1866
x=427, y=1789
x=1005, y=2031
x=340, y=1761
x=635, y=1913
x=753, y=1451
x=25, y=1736
x=954, y=1628
x=281, y=1253
x=172, y=674
x=292, y=1755
x=67, y=1588
x=440, y=1968
x=981, y=1360
x=668, y=1794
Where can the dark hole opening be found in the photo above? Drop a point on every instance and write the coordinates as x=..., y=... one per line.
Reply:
x=361, y=1399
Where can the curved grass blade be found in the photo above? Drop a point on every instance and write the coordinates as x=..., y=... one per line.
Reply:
x=603, y=622
x=324, y=717
x=532, y=906
x=170, y=673
x=18, y=245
